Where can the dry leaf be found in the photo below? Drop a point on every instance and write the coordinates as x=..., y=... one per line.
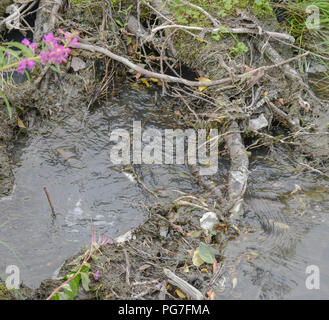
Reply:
x=186, y=269
x=211, y=294
x=180, y=294
x=145, y=82
x=178, y=228
x=20, y=123
x=197, y=261
x=214, y=266
x=248, y=69
x=144, y=267
x=201, y=79
x=281, y=101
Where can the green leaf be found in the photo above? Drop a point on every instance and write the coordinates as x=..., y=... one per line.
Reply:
x=63, y=296
x=206, y=253
x=10, y=111
x=195, y=234
x=27, y=75
x=25, y=50
x=54, y=68
x=85, y=281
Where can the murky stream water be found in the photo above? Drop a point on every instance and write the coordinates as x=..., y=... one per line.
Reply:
x=288, y=215
x=73, y=161
x=288, y=227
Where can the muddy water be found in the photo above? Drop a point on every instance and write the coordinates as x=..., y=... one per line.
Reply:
x=72, y=159
x=288, y=231
x=286, y=213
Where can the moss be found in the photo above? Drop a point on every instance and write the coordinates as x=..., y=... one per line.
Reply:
x=220, y=9
x=5, y=294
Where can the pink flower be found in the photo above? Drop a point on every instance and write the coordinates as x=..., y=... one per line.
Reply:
x=30, y=64
x=51, y=39
x=33, y=46
x=22, y=66
x=96, y=275
x=74, y=43
x=26, y=42
x=44, y=56
x=59, y=54
x=66, y=34
x=25, y=64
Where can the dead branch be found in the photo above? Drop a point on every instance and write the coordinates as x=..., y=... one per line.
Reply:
x=188, y=289
x=238, y=175
x=275, y=35
x=151, y=74
x=127, y=267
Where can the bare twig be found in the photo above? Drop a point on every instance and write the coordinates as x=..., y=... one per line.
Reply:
x=127, y=267
x=49, y=201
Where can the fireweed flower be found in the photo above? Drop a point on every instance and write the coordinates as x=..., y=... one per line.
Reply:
x=30, y=45
x=96, y=275
x=25, y=64
x=22, y=66
x=57, y=55
x=26, y=42
x=54, y=53
x=65, y=34
x=74, y=43
x=51, y=39
x=30, y=64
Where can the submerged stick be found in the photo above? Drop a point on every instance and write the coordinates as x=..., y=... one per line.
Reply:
x=49, y=201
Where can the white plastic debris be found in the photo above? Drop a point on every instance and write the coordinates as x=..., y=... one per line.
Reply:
x=125, y=237
x=130, y=177
x=258, y=123
x=208, y=221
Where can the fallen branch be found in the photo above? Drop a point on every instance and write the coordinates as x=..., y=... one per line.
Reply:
x=188, y=289
x=224, y=29
x=238, y=175
x=167, y=78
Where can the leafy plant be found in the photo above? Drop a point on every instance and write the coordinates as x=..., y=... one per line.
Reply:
x=239, y=48
x=80, y=273
x=22, y=57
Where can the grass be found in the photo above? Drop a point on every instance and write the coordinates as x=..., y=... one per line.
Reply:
x=315, y=40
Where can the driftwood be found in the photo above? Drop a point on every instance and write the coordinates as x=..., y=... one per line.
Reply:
x=188, y=289
x=238, y=175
